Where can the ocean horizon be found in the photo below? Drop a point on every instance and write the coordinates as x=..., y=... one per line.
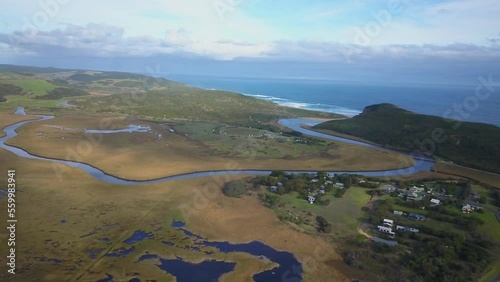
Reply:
x=350, y=98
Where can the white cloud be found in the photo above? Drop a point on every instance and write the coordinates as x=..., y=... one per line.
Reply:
x=193, y=27
x=109, y=41
x=100, y=40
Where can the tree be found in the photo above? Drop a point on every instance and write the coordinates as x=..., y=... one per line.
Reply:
x=234, y=188
x=277, y=173
x=323, y=225
x=281, y=190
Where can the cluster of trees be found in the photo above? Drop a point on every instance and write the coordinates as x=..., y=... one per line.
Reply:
x=302, y=184
x=348, y=181
x=62, y=92
x=269, y=200
x=369, y=184
x=468, y=223
x=323, y=225
x=9, y=89
x=234, y=188
x=441, y=260
x=495, y=195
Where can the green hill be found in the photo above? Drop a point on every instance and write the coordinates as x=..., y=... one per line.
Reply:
x=137, y=94
x=474, y=145
x=195, y=104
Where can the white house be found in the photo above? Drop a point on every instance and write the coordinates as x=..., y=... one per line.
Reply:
x=398, y=212
x=339, y=185
x=388, y=222
x=435, y=202
x=467, y=208
x=387, y=230
x=311, y=199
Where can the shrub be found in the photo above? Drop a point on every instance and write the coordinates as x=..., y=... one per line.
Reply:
x=234, y=188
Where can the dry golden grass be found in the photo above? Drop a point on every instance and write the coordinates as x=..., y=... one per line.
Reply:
x=142, y=156
x=245, y=219
x=115, y=212
x=456, y=170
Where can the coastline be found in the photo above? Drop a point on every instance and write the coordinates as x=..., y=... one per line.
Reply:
x=350, y=96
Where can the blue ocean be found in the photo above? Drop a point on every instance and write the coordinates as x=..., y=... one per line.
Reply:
x=350, y=98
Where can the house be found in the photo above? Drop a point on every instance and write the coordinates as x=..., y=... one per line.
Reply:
x=435, y=202
x=467, y=208
x=415, y=216
x=388, y=188
x=338, y=185
x=328, y=182
x=407, y=229
x=416, y=189
x=414, y=196
x=269, y=136
x=314, y=180
x=322, y=191
x=398, y=212
x=388, y=222
x=311, y=199
x=279, y=184
x=386, y=230
x=274, y=189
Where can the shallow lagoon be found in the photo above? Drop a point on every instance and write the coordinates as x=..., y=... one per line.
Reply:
x=129, y=129
x=210, y=270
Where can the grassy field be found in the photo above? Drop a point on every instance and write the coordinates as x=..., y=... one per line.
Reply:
x=491, y=225
x=65, y=219
x=493, y=273
x=346, y=210
x=147, y=156
x=33, y=87
x=341, y=212
x=30, y=104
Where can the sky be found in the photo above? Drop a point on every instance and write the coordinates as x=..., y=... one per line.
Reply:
x=440, y=41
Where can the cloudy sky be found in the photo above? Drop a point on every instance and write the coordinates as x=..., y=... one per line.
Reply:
x=399, y=40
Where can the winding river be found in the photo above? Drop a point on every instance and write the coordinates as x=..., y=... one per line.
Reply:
x=421, y=164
